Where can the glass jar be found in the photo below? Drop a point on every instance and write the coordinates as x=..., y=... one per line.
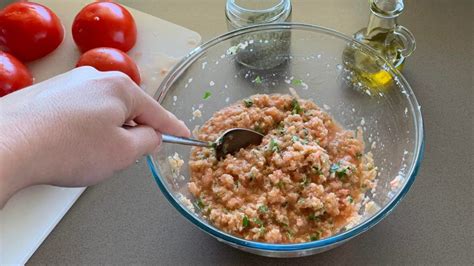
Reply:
x=263, y=50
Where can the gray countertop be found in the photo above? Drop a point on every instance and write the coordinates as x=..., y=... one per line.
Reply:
x=127, y=220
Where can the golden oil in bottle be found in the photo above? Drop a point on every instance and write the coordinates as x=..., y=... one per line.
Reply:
x=387, y=38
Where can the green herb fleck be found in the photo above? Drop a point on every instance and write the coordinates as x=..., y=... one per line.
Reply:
x=237, y=184
x=200, y=204
x=245, y=221
x=274, y=146
x=350, y=199
x=263, y=209
x=315, y=236
x=207, y=95
x=295, y=107
x=248, y=103
x=258, y=80
x=297, y=139
x=258, y=222
x=296, y=81
x=341, y=172
x=261, y=230
x=312, y=217
x=258, y=129
x=358, y=155
x=305, y=181
x=317, y=170
x=280, y=184
x=338, y=170
x=281, y=128
x=289, y=234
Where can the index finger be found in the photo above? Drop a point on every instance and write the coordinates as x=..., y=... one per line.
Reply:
x=149, y=112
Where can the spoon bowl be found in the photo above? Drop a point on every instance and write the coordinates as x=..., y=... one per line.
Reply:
x=229, y=142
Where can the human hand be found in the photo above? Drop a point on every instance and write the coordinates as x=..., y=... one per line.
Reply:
x=68, y=131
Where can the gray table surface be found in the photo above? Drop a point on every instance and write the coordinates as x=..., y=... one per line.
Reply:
x=127, y=220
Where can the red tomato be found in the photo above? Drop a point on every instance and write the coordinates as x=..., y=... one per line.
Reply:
x=29, y=31
x=13, y=74
x=110, y=59
x=104, y=24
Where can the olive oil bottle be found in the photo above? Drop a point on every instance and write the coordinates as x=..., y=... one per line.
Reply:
x=394, y=42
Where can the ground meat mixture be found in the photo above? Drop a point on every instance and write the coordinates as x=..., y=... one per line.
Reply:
x=304, y=182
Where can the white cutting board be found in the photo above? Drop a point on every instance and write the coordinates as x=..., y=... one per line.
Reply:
x=32, y=214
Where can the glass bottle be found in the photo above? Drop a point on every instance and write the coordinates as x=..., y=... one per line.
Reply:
x=394, y=42
x=263, y=50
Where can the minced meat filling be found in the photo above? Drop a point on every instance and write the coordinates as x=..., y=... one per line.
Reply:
x=304, y=182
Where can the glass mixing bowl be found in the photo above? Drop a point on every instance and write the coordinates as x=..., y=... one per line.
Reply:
x=349, y=80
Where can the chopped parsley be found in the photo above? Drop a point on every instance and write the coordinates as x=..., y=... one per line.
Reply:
x=340, y=172
x=258, y=222
x=281, y=128
x=305, y=181
x=245, y=221
x=350, y=199
x=258, y=129
x=274, y=146
x=312, y=217
x=207, y=95
x=258, y=80
x=200, y=204
x=358, y=155
x=297, y=139
x=248, y=103
x=315, y=236
x=280, y=184
x=295, y=107
x=316, y=170
x=263, y=209
x=296, y=81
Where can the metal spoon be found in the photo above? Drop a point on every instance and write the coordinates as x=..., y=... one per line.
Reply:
x=229, y=142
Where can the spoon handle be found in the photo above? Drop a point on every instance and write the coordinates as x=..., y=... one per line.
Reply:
x=185, y=141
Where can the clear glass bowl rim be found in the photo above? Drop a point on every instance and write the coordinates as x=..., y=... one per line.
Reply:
x=322, y=243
